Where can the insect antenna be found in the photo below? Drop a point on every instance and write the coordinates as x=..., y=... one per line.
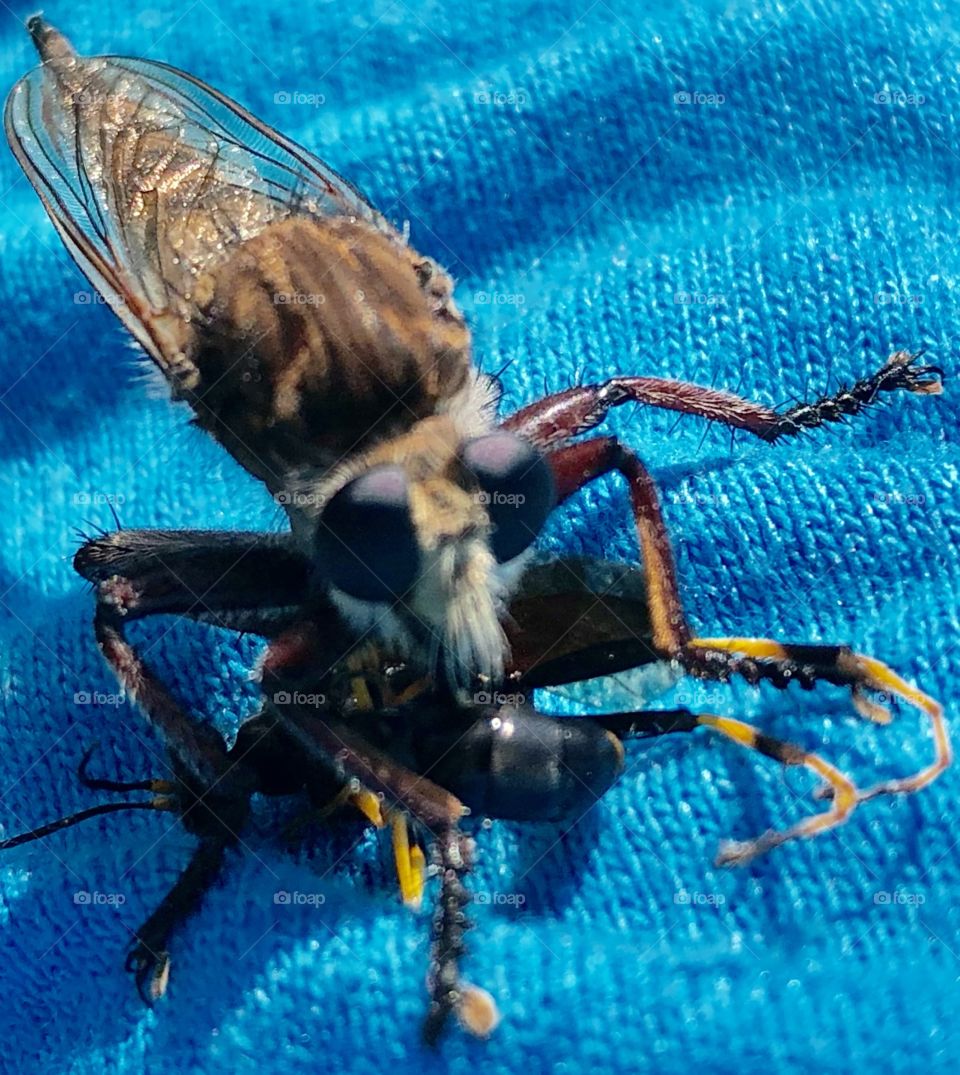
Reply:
x=159, y=803
x=162, y=800
x=98, y=784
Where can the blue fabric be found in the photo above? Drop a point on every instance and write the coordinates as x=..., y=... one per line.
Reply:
x=785, y=227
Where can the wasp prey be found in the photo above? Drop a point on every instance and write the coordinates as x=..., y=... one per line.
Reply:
x=402, y=581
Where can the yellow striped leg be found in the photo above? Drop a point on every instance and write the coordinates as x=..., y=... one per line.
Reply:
x=843, y=792
x=863, y=674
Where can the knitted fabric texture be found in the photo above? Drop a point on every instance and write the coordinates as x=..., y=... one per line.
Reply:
x=757, y=197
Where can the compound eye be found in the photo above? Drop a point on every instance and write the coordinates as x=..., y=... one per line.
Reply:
x=366, y=542
x=516, y=487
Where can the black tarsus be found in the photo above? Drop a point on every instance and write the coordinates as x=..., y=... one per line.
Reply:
x=899, y=373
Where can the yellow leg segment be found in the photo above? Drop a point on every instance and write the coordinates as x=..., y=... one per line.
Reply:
x=410, y=861
x=843, y=792
x=864, y=674
x=365, y=801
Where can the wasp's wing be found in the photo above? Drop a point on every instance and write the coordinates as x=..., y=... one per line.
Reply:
x=580, y=635
x=630, y=691
x=152, y=178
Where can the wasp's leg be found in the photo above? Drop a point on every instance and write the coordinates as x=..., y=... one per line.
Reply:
x=843, y=793
x=349, y=794
x=754, y=659
x=149, y=957
x=782, y=663
x=242, y=581
x=335, y=742
x=449, y=994
x=215, y=814
x=409, y=859
x=557, y=418
x=439, y=813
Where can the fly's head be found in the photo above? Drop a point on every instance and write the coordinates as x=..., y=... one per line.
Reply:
x=420, y=539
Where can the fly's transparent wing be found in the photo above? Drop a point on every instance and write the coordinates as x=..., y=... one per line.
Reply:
x=152, y=178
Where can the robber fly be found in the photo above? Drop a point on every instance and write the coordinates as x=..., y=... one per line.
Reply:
x=330, y=359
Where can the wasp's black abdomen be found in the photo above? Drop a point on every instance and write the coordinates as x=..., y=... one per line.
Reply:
x=513, y=763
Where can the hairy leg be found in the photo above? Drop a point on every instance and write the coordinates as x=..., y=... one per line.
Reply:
x=670, y=637
x=555, y=419
x=244, y=581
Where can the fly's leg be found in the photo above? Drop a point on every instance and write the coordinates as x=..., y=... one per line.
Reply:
x=197, y=748
x=300, y=655
x=575, y=466
x=242, y=581
x=555, y=419
x=671, y=638
x=843, y=793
